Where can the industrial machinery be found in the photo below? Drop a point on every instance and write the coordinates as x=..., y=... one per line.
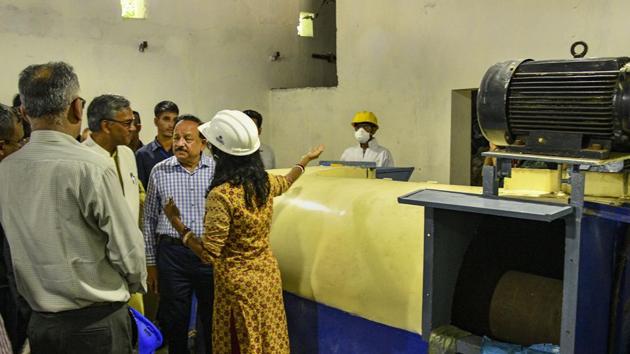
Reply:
x=577, y=107
x=527, y=271
x=371, y=272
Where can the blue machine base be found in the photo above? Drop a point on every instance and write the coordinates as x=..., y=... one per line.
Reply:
x=316, y=328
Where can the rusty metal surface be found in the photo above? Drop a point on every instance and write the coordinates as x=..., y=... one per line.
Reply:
x=526, y=309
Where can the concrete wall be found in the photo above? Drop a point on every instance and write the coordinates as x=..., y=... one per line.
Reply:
x=461, y=106
x=402, y=59
x=102, y=47
x=204, y=55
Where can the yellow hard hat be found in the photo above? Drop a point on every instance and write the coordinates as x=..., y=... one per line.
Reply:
x=364, y=117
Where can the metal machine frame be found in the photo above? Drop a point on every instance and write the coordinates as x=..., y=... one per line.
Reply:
x=441, y=232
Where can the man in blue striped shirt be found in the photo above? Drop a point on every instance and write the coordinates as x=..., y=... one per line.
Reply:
x=173, y=269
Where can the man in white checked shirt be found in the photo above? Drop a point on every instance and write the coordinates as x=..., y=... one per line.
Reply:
x=173, y=269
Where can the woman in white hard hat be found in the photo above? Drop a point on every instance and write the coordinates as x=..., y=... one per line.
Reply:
x=248, y=312
x=365, y=125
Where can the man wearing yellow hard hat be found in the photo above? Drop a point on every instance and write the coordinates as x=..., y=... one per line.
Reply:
x=365, y=125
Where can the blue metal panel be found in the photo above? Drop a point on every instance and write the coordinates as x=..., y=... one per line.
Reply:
x=316, y=328
x=603, y=235
x=595, y=281
x=622, y=332
x=618, y=219
x=610, y=212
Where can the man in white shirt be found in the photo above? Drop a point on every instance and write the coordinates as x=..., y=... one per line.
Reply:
x=365, y=125
x=77, y=252
x=111, y=123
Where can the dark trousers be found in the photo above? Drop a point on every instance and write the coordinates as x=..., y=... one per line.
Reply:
x=101, y=329
x=180, y=273
x=13, y=308
x=15, y=318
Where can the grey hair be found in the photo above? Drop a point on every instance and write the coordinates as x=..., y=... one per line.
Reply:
x=48, y=89
x=8, y=121
x=104, y=107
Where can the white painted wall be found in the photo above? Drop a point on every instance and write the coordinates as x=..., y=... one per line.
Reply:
x=91, y=36
x=204, y=55
x=401, y=59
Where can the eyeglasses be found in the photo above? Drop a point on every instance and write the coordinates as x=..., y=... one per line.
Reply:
x=126, y=123
x=366, y=126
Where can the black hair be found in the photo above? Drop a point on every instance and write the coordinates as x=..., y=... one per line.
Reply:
x=104, y=107
x=190, y=118
x=9, y=117
x=255, y=116
x=8, y=120
x=247, y=171
x=136, y=118
x=26, y=124
x=165, y=106
x=17, y=101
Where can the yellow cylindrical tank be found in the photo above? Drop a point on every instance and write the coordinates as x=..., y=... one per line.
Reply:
x=347, y=243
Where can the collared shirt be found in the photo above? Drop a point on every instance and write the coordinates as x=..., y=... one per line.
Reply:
x=125, y=162
x=147, y=157
x=73, y=240
x=374, y=153
x=188, y=189
x=267, y=156
x=5, y=344
x=135, y=146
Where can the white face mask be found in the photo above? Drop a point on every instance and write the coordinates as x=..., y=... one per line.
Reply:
x=362, y=136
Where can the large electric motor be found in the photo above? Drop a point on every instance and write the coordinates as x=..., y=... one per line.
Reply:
x=578, y=107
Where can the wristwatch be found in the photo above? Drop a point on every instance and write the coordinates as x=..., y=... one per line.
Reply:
x=186, y=230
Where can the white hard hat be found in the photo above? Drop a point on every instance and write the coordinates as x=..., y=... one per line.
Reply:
x=233, y=132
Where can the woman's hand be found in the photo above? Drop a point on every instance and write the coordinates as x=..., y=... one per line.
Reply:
x=171, y=211
x=298, y=169
x=315, y=152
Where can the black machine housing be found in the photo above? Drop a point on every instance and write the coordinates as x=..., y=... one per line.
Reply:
x=577, y=107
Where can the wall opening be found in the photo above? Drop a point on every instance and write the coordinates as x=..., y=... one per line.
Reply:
x=316, y=45
x=133, y=9
x=305, y=24
x=467, y=141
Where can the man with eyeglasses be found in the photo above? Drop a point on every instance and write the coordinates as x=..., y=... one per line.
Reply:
x=110, y=120
x=13, y=135
x=76, y=249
